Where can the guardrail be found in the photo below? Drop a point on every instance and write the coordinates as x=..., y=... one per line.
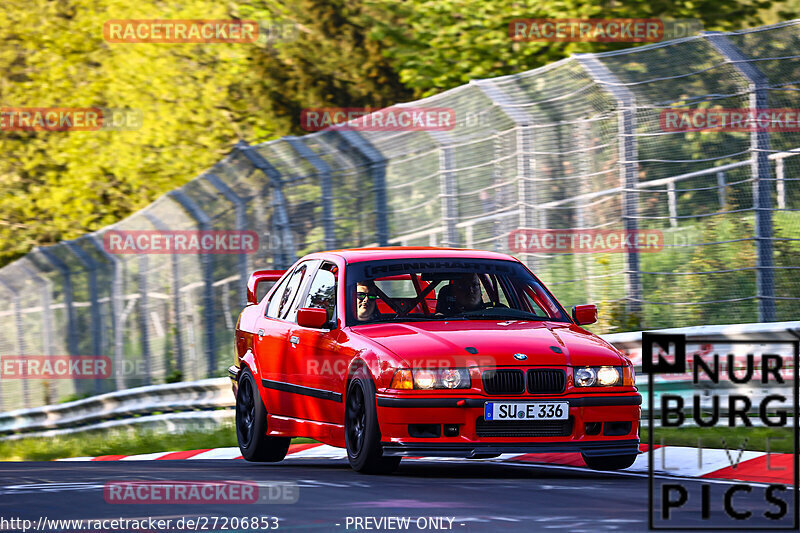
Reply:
x=131, y=406
x=207, y=403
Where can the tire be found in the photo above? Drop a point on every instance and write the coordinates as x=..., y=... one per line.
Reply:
x=251, y=425
x=361, y=433
x=610, y=462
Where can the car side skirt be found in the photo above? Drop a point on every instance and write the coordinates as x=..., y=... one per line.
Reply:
x=287, y=426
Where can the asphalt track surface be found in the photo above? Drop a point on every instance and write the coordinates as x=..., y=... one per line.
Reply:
x=479, y=496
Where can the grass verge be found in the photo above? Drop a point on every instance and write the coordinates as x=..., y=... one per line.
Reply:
x=129, y=442
x=781, y=439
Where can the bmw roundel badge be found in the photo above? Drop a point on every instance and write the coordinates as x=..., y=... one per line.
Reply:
x=520, y=356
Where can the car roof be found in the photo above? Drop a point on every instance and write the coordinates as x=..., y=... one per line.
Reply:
x=355, y=255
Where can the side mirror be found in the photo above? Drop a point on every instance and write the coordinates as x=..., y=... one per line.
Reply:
x=584, y=314
x=257, y=277
x=312, y=317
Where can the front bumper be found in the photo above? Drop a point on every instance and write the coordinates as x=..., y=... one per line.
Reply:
x=401, y=419
x=583, y=401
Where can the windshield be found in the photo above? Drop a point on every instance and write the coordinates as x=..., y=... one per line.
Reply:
x=438, y=289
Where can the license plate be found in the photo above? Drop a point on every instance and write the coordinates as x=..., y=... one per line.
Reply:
x=525, y=411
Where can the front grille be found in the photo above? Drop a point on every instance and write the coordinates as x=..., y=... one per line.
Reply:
x=546, y=381
x=528, y=428
x=503, y=382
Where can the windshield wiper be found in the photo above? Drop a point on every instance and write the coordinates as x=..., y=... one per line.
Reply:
x=507, y=314
x=404, y=319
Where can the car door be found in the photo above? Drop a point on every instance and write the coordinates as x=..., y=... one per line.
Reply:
x=272, y=345
x=322, y=369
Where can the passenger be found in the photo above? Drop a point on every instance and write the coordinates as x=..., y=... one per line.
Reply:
x=366, y=301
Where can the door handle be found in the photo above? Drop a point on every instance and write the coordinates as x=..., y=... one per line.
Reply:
x=261, y=334
x=294, y=339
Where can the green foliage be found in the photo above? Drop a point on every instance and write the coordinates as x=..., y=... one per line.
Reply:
x=331, y=59
x=63, y=184
x=437, y=45
x=777, y=440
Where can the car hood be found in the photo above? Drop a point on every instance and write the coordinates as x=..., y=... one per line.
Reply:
x=491, y=343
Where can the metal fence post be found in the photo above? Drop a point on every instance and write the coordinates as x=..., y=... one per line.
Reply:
x=176, y=296
x=377, y=171
x=204, y=222
x=72, y=333
x=629, y=166
x=20, y=334
x=285, y=255
x=758, y=85
x=527, y=195
x=90, y=266
x=584, y=214
x=117, y=327
x=500, y=226
x=143, y=318
x=47, y=316
x=723, y=194
x=672, y=204
x=72, y=338
x=448, y=191
x=326, y=186
x=239, y=206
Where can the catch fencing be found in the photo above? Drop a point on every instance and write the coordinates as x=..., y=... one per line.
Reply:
x=580, y=143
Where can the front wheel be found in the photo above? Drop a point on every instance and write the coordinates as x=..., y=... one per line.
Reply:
x=361, y=433
x=610, y=462
x=251, y=425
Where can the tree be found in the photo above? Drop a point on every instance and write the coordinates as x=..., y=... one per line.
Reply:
x=441, y=44
x=60, y=185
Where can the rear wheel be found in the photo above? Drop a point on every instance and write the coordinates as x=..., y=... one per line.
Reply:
x=251, y=425
x=362, y=435
x=610, y=462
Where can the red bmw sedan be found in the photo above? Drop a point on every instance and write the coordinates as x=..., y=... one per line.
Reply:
x=392, y=352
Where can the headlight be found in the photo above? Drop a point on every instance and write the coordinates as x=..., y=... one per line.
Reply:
x=431, y=378
x=598, y=376
x=424, y=379
x=585, y=377
x=608, y=376
x=451, y=378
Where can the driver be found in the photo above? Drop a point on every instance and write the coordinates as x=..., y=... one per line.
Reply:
x=467, y=292
x=366, y=301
